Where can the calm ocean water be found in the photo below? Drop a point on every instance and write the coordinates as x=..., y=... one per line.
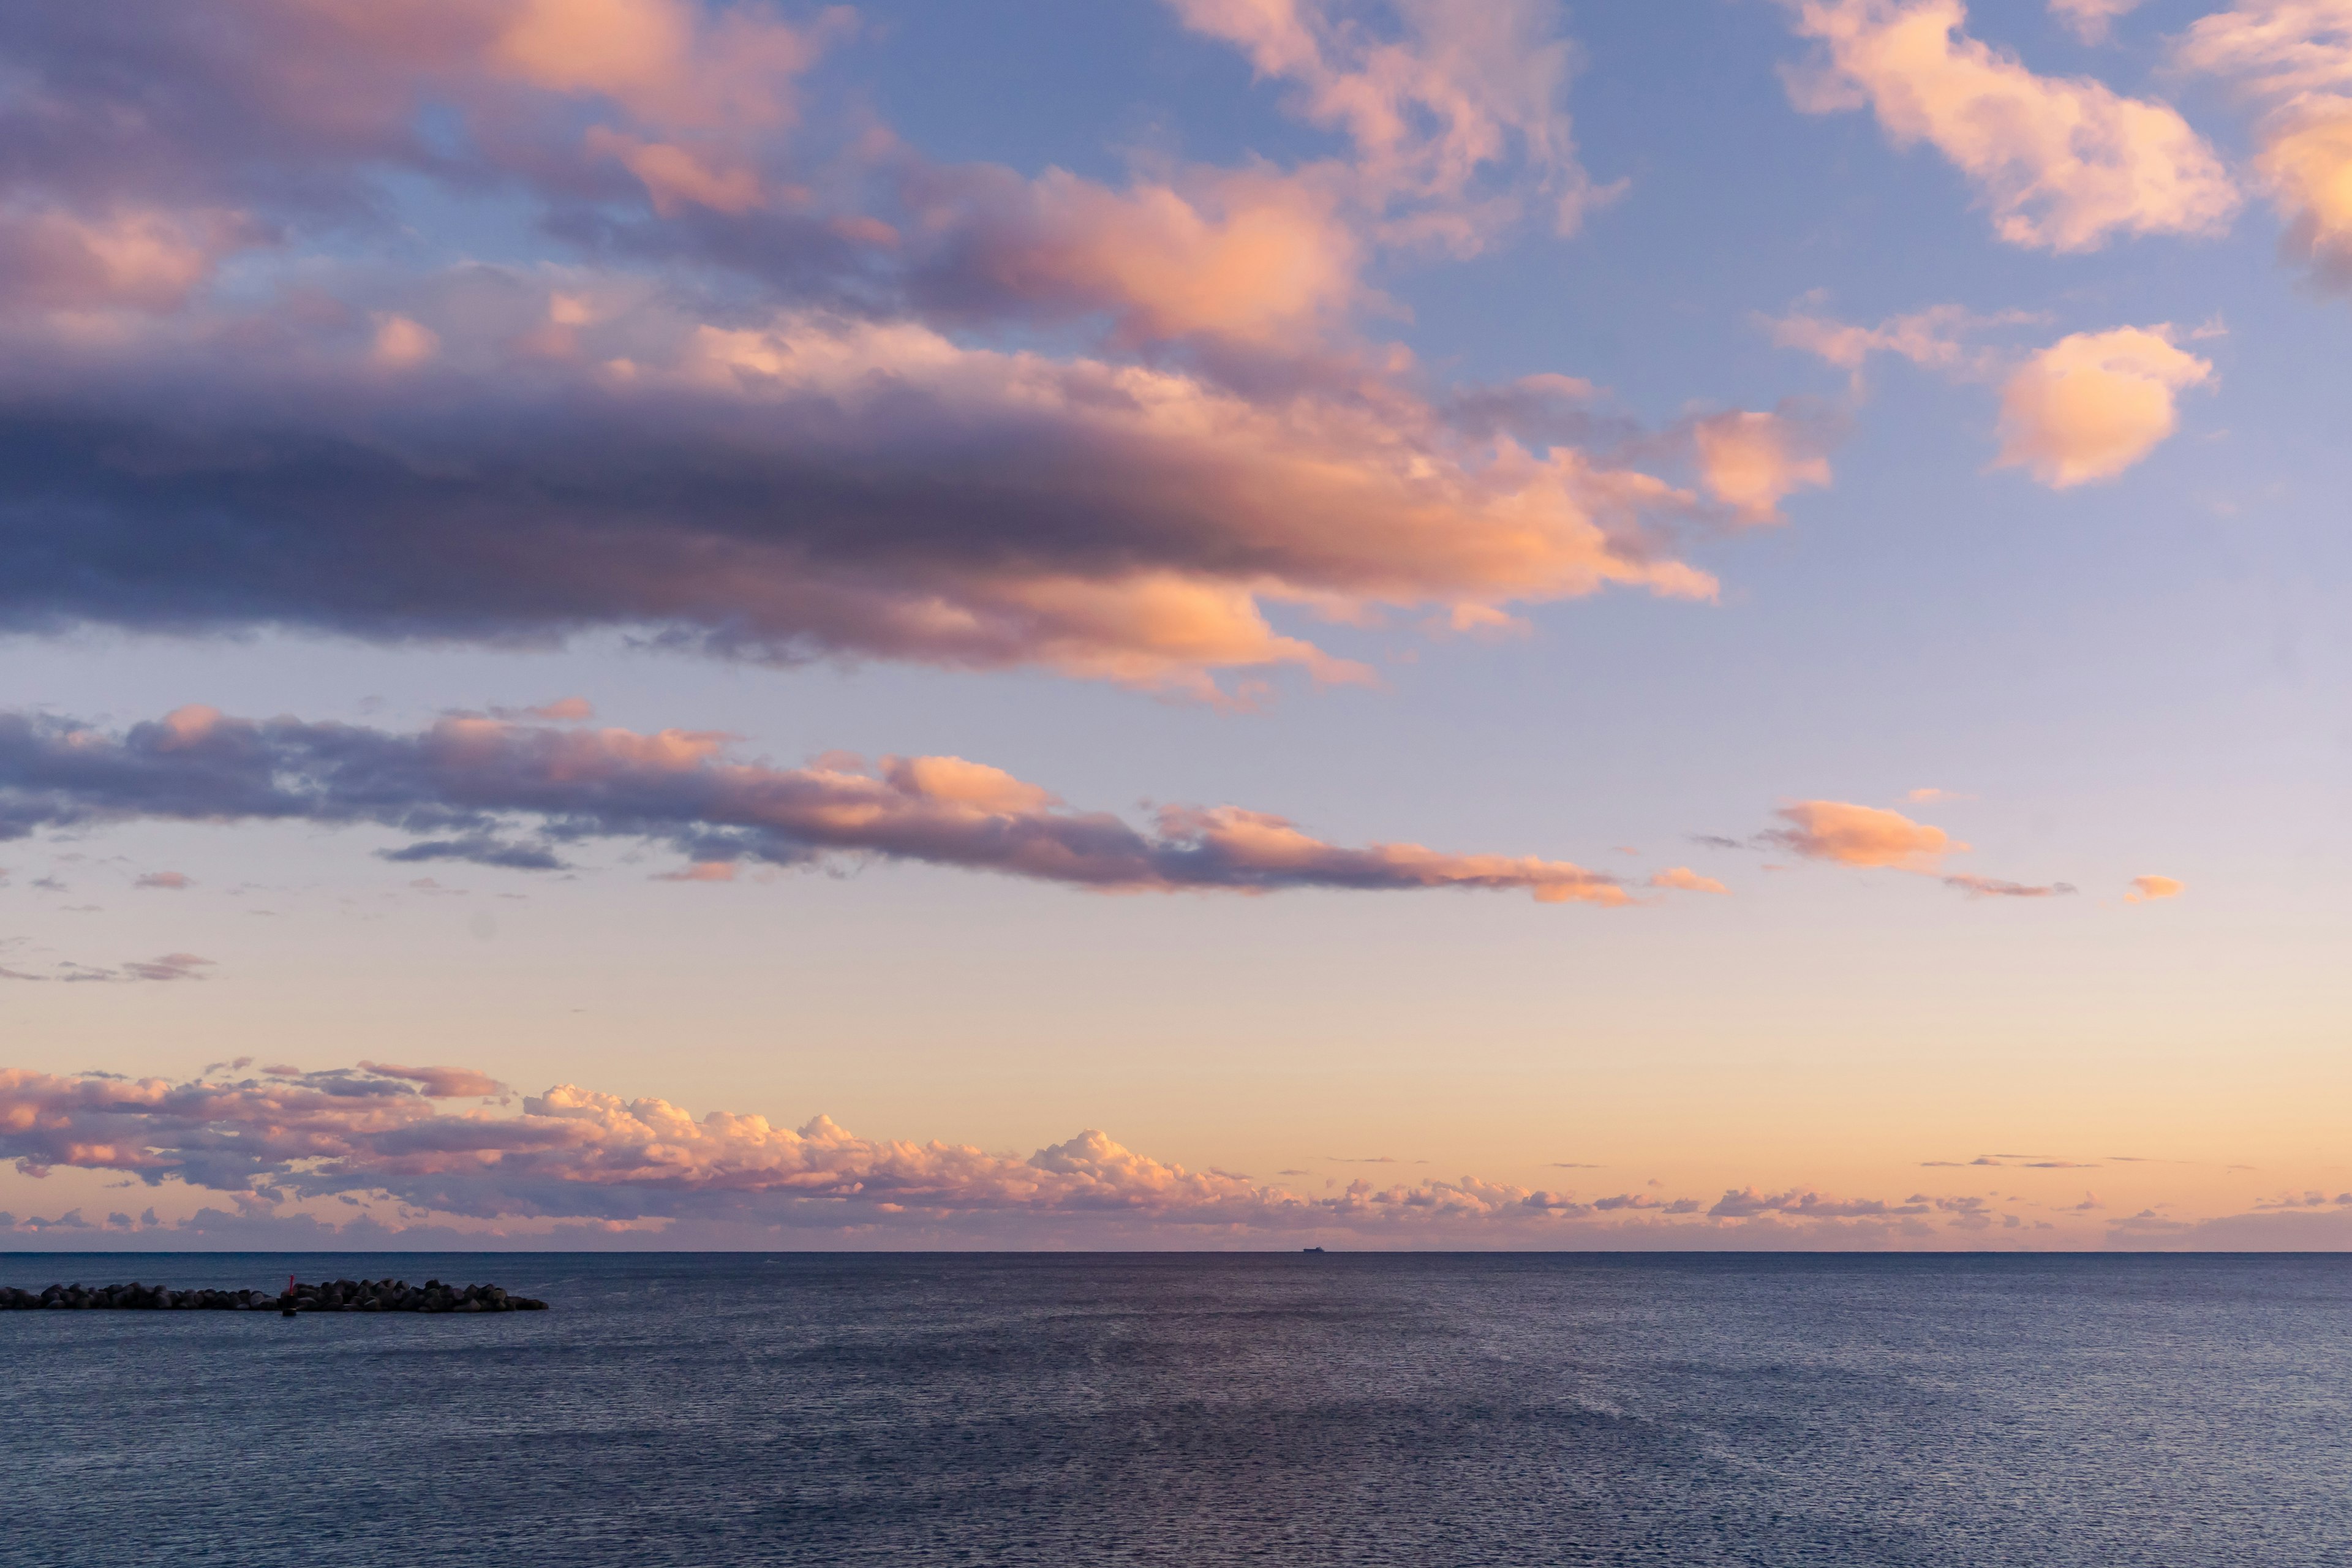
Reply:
x=1198, y=1411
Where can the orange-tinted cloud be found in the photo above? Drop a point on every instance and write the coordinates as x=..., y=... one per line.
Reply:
x=1455, y=124
x=702, y=872
x=1686, y=880
x=671, y=63
x=676, y=178
x=2085, y=408
x=2094, y=404
x=2148, y=889
x=401, y=344
x=440, y=1083
x=146, y=259
x=1751, y=461
x=1862, y=835
x=2295, y=56
x=2063, y=164
x=1253, y=257
x=499, y=793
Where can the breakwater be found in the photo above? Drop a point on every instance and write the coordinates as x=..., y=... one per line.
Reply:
x=332, y=1296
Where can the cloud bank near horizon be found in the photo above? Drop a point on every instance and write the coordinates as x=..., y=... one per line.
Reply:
x=574, y=1162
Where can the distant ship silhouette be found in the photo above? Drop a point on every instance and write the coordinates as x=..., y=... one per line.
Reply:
x=1310, y=1249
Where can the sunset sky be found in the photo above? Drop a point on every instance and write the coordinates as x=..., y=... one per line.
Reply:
x=1175, y=622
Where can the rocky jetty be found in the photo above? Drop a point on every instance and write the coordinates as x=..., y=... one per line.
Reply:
x=333, y=1295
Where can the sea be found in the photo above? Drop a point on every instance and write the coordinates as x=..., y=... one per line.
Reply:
x=1196, y=1411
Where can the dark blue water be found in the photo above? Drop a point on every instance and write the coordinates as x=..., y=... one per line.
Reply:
x=1198, y=1411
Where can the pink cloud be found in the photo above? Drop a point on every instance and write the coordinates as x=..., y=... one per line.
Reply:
x=1752, y=461
x=462, y=790
x=573, y=1155
x=1254, y=257
x=1871, y=836
x=440, y=1083
x=669, y=63
x=147, y=259
x=1746, y=1203
x=2294, y=57
x=1684, y=879
x=2085, y=408
x=563, y=710
x=570, y=1152
x=1998, y=888
x=2150, y=888
x=2063, y=164
x=170, y=881
x=2091, y=20
x=2094, y=404
x=553, y=451
x=1438, y=114
x=1862, y=835
x=1935, y=339
x=702, y=872
x=401, y=344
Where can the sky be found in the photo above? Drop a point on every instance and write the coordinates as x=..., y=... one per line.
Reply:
x=1175, y=624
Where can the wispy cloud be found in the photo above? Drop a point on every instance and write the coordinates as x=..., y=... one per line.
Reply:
x=2091, y=20
x=167, y=967
x=1998, y=888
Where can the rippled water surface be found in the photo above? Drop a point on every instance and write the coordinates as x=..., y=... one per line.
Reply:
x=1198, y=1411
